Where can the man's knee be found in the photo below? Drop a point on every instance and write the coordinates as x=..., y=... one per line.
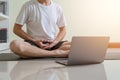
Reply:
x=16, y=46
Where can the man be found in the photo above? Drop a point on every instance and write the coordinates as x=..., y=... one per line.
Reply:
x=42, y=18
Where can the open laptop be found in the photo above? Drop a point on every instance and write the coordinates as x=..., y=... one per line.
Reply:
x=86, y=50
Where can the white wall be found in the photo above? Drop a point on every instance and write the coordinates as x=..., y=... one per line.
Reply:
x=84, y=17
x=14, y=7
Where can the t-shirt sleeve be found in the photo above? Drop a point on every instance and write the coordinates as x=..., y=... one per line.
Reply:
x=22, y=16
x=61, y=21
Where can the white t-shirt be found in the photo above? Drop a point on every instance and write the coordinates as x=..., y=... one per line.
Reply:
x=41, y=21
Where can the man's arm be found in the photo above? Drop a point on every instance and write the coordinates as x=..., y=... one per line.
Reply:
x=60, y=36
x=19, y=32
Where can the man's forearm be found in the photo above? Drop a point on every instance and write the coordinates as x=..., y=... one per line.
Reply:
x=59, y=37
x=19, y=32
x=61, y=34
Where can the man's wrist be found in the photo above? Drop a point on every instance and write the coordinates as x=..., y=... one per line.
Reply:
x=33, y=40
x=55, y=42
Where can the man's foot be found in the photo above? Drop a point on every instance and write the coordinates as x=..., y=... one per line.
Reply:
x=61, y=53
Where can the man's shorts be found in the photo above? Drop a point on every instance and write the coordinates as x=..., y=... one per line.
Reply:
x=53, y=48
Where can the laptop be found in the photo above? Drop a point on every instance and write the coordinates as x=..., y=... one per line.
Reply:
x=86, y=50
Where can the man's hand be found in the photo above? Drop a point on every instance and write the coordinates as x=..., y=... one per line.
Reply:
x=41, y=43
x=52, y=44
x=45, y=44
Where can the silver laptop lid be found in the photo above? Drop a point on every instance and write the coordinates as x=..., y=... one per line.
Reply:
x=88, y=49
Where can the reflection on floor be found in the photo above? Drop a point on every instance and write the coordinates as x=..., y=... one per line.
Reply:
x=49, y=70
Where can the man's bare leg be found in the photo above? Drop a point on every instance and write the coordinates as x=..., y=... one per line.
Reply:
x=25, y=50
x=65, y=46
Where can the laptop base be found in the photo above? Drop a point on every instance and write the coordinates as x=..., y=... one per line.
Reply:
x=63, y=62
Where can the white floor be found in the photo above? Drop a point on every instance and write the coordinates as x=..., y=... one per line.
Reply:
x=50, y=70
